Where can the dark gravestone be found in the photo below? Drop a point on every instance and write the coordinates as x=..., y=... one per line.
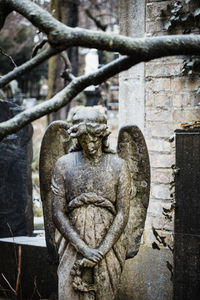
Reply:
x=38, y=278
x=16, y=213
x=187, y=216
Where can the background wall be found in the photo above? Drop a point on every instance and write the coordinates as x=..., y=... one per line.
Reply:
x=170, y=99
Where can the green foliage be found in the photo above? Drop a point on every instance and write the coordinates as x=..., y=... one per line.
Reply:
x=191, y=66
x=185, y=16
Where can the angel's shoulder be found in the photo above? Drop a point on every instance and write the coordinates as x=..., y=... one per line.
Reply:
x=67, y=159
x=116, y=161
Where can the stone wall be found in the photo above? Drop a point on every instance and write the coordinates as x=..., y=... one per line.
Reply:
x=170, y=100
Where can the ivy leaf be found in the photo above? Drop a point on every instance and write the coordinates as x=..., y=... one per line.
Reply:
x=155, y=246
x=167, y=25
x=190, y=64
x=198, y=91
x=172, y=18
x=185, y=17
x=178, y=5
x=197, y=12
x=183, y=70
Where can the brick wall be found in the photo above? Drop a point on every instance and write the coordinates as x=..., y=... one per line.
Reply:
x=170, y=100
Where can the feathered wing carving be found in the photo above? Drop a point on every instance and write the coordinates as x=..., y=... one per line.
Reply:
x=132, y=148
x=56, y=143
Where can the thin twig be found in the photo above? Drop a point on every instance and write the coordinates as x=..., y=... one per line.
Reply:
x=67, y=73
x=15, y=250
x=97, y=22
x=8, y=283
x=67, y=62
x=10, y=57
x=39, y=46
x=35, y=289
x=19, y=268
x=29, y=65
x=64, y=96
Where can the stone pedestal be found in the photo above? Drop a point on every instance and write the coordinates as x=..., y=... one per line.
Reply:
x=146, y=277
x=16, y=213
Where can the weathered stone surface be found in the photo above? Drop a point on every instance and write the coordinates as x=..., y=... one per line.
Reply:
x=131, y=82
x=148, y=276
x=162, y=176
x=93, y=191
x=15, y=179
x=160, y=191
x=158, y=114
x=162, y=100
x=181, y=100
x=162, y=129
x=158, y=145
x=153, y=9
x=162, y=160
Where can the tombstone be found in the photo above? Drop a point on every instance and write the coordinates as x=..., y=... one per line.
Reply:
x=16, y=212
x=187, y=215
x=92, y=97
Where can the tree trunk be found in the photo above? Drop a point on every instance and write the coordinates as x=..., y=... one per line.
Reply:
x=67, y=13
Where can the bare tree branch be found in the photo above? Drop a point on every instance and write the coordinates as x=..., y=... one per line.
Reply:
x=98, y=23
x=66, y=60
x=76, y=86
x=39, y=46
x=67, y=73
x=10, y=57
x=65, y=96
x=60, y=35
x=63, y=37
x=27, y=66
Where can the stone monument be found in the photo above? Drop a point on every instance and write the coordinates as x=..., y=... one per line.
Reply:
x=16, y=208
x=95, y=213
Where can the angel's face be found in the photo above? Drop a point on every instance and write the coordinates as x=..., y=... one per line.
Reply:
x=91, y=144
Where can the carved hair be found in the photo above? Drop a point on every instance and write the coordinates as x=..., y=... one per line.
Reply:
x=90, y=120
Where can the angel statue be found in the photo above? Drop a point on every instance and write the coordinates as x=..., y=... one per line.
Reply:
x=94, y=202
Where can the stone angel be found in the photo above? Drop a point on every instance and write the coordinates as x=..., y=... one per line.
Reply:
x=94, y=202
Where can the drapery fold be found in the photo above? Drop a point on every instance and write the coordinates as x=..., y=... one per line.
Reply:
x=91, y=222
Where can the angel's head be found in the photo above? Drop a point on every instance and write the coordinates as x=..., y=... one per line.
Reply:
x=89, y=126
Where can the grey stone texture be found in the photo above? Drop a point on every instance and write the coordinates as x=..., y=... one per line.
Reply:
x=147, y=277
x=132, y=23
x=98, y=203
x=16, y=214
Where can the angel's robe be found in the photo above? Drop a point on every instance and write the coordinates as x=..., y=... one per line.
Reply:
x=104, y=182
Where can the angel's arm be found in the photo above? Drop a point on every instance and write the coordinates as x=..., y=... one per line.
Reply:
x=122, y=205
x=61, y=220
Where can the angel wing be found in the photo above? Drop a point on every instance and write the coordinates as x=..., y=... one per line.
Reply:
x=56, y=143
x=132, y=148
